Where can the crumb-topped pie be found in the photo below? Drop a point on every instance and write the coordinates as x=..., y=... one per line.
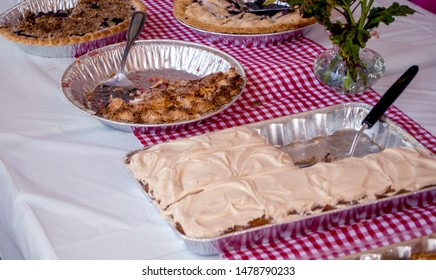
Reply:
x=167, y=101
x=85, y=21
x=227, y=16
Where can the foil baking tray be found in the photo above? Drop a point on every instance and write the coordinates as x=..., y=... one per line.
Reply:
x=304, y=135
x=170, y=59
x=17, y=13
x=423, y=248
x=251, y=40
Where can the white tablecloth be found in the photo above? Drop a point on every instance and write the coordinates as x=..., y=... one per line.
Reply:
x=64, y=193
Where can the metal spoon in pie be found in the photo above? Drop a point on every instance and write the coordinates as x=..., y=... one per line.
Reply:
x=120, y=79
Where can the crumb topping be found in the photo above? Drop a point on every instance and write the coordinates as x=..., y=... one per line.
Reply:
x=167, y=101
x=87, y=17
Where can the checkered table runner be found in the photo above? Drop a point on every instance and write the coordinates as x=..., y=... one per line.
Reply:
x=280, y=82
x=347, y=240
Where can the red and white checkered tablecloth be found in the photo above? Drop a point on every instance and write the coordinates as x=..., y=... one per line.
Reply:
x=280, y=82
x=347, y=240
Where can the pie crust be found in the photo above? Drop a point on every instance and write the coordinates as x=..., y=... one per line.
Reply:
x=99, y=19
x=224, y=16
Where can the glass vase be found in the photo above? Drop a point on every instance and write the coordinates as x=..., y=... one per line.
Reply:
x=332, y=71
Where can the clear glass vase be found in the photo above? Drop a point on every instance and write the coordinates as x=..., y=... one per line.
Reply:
x=332, y=71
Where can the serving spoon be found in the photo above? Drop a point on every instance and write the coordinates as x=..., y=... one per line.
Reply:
x=384, y=103
x=120, y=79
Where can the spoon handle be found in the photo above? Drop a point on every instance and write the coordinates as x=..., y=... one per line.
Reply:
x=135, y=27
x=390, y=96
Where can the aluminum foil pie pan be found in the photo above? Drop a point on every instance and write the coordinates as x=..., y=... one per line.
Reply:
x=179, y=58
x=17, y=13
x=423, y=248
x=300, y=130
x=251, y=40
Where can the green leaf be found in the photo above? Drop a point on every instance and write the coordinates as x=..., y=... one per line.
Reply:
x=379, y=15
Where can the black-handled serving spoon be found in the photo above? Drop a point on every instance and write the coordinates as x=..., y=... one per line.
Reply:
x=384, y=103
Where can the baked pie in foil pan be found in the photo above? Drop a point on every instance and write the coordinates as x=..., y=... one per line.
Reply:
x=67, y=28
x=232, y=22
x=151, y=60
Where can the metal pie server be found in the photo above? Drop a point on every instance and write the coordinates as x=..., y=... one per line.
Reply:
x=253, y=7
x=384, y=103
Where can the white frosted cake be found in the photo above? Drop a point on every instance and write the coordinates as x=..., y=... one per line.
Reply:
x=230, y=180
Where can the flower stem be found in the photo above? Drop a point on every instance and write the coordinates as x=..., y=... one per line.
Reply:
x=365, y=8
x=348, y=13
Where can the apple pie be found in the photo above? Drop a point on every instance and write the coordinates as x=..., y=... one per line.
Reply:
x=227, y=16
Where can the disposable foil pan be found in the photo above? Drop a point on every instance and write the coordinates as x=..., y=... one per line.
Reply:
x=90, y=70
x=299, y=130
x=17, y=13
x=251, y=40
x=416, y=249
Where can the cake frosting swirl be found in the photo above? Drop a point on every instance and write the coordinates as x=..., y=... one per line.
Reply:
x=221, y=182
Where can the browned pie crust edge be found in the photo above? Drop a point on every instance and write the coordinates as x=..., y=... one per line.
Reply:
x=5, y=31
x=179, y=12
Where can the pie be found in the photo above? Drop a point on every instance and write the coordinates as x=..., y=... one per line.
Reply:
x=87, y=21
x=168, y=101
x=226, y=16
